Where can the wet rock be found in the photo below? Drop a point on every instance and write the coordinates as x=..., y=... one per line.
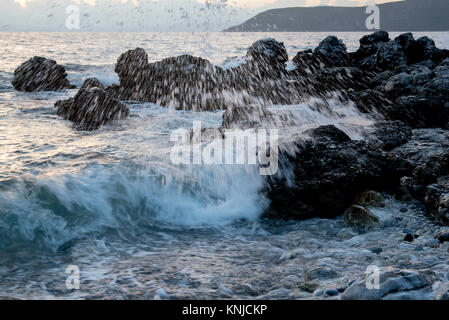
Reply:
x=409, y=237
x=332, y=292
x=405, y=40
x=307, y=62
x=334, y=50
x=360, y=217
x=443, y=295
x=90, y=83
x=183, y=82
x=369, y=45
x=391, y=134
x=40, y=74
x=268, y=52
x=329, y=133
x=392, y=281
x=328, y=175
x=390, y=55
x=437, y=200
x=442, y=235
x=320, y=273
x=129, y=64
x=424, y=49
x=370, y=198
x=376, y=250
x=308, y=286
x=91, y=108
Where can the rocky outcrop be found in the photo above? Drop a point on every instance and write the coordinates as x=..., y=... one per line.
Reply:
x=91, y=107
x=393, y=284
x=328, y=172
x=40, y=74
x=334, y=50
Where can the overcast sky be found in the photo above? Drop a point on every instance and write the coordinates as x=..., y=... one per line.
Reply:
x=144, y=15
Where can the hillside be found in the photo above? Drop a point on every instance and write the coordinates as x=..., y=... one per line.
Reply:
x=410, y=15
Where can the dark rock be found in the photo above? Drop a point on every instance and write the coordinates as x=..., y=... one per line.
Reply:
x=268, y=52
x=375, y=38
x=391, y=281
x=424, y=49
x=405, y=40
x=329, y=134
x=409, y=237
x=308, y=63
x=334, y=50
x=391, y=134
x=40, y=74
x=327, y=176
x=91, y=108
x=130, y=64
x=308, y=286
x=320, y=273
x=376, y=250
x=443, y=235
x=390, y=55
x=369, y=198
x=90, y=83
x=360, y=217
x=437, y=200
x=369, y=45
x=332, y=292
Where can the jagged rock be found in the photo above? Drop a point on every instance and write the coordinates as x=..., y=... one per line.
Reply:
x=360, y=217
x=327, y=175
x=308, y=63
x=334, y=50
x=390, y=55
x=369, y=45
x=91, y=108
x=442, y=235
x=391, y=134
x=130, y=63
x=424, y=49
x=329, y=134
x=40, y=74
x=369, y=198
x=405, y=40
x=392, y=281
x=268, y=52
x=183, y=82
x=320, y=273
x=90, y=83
x=437, y=200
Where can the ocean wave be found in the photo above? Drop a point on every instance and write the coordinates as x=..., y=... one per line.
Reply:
x=48, y=211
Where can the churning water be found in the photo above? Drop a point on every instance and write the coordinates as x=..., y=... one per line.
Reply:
x=112, y=203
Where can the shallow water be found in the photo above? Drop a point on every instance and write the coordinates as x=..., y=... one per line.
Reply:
x=112, y=203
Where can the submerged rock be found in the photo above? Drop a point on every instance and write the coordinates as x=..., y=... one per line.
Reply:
x=360, y=217
x=40, y=74
x=91, y=108
x=393, y=281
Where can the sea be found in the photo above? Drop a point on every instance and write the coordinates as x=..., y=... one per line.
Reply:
x=109, y=208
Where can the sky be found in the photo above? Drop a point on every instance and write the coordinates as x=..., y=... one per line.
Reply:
x=142, y=15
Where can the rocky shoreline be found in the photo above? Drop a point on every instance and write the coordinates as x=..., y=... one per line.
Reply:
x=403, y=84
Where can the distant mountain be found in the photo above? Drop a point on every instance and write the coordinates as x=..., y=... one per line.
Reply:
x=410, y=15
